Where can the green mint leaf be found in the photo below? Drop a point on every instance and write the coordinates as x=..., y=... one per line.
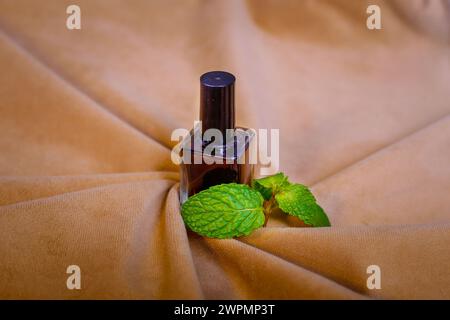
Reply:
x=298, y=201
x=270, y=185
x=224, y=211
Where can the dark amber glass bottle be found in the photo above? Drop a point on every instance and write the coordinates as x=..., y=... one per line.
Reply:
x=230, y=159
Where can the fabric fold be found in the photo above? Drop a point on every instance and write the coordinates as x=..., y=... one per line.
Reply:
x=86, y=176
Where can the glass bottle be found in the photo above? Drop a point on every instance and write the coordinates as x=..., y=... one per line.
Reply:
x=206, y=161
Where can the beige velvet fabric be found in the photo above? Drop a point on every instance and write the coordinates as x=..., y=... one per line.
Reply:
x=85, y=170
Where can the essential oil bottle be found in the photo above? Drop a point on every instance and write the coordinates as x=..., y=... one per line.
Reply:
x=206, y=161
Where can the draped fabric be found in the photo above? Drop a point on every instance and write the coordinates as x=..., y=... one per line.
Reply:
x=86, y=118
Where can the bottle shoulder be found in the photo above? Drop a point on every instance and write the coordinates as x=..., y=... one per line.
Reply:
x=232, y=144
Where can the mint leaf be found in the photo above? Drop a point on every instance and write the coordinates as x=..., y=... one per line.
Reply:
x=293, y=199
x=224, y=211
x=270, y=185
x=298, y=201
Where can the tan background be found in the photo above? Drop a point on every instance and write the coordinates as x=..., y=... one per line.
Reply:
x=86, y=118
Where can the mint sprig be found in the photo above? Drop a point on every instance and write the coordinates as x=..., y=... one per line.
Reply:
x=233, y=210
